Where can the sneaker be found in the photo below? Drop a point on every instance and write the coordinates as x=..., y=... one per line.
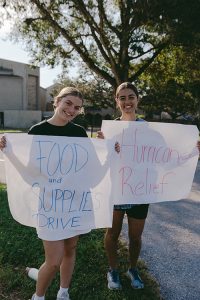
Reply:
x=33, y=297
x=113, y=280
x=63, y=296
x=136, y=281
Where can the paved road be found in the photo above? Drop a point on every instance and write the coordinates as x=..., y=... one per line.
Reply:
x=171, y=245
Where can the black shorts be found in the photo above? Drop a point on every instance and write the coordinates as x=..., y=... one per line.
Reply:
x=137, y=211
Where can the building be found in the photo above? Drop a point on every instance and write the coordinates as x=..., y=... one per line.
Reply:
x=20, y=102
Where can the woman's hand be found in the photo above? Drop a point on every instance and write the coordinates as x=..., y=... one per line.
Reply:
x=100, y=135
x=2, y=142
x=117, y=147
x=198, y=146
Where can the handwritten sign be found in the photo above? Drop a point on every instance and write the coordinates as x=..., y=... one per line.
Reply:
x=156, y=163
x=60, y=185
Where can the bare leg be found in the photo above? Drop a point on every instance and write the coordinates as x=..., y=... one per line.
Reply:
x=136, y=227
x=68, y=262
x=111, y=238
x=54, y=251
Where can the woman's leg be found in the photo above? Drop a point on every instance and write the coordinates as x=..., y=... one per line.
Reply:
x=54, y=251
x=136, y=227
x=111, y=238
x=68, y=261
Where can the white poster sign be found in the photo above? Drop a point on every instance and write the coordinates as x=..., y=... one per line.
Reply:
x=156, y=163
x=60, y=185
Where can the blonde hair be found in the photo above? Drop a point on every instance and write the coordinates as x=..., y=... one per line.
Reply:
x=66, y=91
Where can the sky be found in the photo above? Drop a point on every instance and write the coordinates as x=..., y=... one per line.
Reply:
x=15, y=52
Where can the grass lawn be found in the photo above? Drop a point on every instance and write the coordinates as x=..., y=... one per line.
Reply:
x=20, y=247
x=12, y=130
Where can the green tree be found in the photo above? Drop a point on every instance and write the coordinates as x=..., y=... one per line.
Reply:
x=95, y=90
x=117, y=40
x=178, y=19
x=107, y=36
x=172, y=83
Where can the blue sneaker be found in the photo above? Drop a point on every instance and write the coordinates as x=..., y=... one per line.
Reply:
x=136, y=281
x=113, y=280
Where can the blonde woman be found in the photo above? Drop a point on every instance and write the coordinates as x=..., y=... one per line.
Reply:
x=59, y=254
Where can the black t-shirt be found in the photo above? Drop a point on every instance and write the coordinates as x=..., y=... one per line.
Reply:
x=70, y=129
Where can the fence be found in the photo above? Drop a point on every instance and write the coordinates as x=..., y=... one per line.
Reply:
x=2, y=168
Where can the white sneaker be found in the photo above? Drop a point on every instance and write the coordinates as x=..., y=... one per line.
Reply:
x=113, y=280
x=63, y=296
x=33, y=297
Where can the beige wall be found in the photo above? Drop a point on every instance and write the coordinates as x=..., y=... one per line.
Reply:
x=11, y=92
x=21, y=118
x=22, y=85
x=32, y=93
x=43, y=97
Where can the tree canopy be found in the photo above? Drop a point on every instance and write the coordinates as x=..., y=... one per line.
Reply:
x=171, y=84
x=109, y=37
x=95, y=91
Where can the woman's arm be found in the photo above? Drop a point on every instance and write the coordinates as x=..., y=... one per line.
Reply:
x=100, y=135
x=198, y=146
x=2, y=143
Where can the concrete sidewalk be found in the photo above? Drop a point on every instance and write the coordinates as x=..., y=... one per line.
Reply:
x=171, y=245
